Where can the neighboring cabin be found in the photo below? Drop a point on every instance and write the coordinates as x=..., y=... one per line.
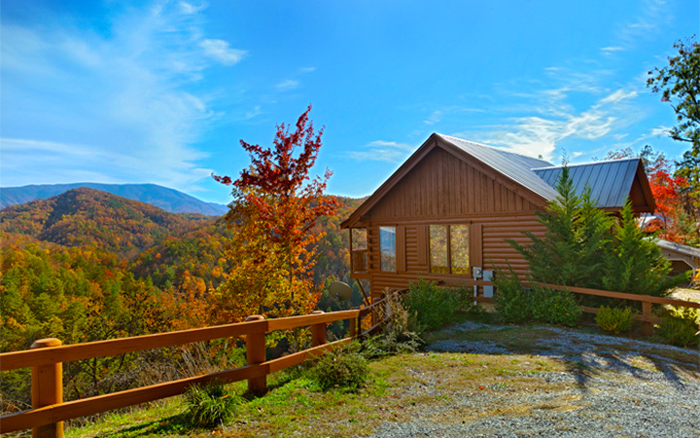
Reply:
x=682, y=257
x=451, y=205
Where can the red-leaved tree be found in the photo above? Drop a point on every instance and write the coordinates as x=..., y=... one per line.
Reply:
x=275, y=205
x=669, y=208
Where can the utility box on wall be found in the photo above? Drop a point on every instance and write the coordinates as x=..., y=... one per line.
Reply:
x=488, y=290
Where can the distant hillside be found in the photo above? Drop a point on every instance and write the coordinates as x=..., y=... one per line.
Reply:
x=162, y=197
x=87, y=217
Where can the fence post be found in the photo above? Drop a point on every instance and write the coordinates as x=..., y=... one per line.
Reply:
x=255, y=354
x=47, y=389
x=318, y=331
x=646, y=325
x=353, y=324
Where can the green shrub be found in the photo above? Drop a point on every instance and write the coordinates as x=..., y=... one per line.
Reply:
x=553, y=306
x=397, y=336
x=209, y=405
x=679, y=325
x=391, y=343
x=343, y=368
x=433, y=306
x=510, y=297
x=615, y=320
x=516, y=304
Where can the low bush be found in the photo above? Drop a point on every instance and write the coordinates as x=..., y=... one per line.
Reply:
x=516, y=304
x=679, y=326
x=391, y=343
x=615, y=320
x=510, y=297
x=209, y=405
x=432, y=306
x=343, y=368
x=397, y=336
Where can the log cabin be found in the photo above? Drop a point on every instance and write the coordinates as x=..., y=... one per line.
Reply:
x=445, y=213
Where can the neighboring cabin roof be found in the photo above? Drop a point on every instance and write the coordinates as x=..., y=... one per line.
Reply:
x=677, y=247
x=610, y=181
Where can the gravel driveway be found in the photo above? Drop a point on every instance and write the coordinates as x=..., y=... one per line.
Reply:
x=606, y=387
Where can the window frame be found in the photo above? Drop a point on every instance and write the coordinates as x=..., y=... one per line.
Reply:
x=379, y=236
x=448, y=239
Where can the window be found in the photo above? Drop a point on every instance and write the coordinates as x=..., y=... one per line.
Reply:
x=449, y=249
x=359, y=249
x=387, y=248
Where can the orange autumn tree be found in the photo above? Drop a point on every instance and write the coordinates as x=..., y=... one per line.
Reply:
x=275, y=206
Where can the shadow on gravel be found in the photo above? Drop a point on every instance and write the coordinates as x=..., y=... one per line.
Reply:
x=584, y=355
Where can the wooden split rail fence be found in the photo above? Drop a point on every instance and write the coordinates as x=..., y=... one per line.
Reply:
x=646, y=316
x=46, y=357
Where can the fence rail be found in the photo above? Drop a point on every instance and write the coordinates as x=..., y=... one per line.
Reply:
x=47, y=356
x=645, y=317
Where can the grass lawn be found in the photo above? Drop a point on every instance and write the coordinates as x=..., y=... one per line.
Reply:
x=432, y=384
x=295, y=406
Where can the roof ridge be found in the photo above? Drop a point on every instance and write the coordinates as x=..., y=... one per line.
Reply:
x=616, y=160
x=491, y=147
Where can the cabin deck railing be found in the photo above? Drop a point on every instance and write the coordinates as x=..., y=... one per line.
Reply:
x=46, y=357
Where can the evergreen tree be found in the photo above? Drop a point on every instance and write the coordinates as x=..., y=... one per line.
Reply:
x=634, y=263
x=577, y=235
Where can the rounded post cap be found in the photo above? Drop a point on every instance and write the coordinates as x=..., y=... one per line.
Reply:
x=48, y=342
x=317, y=312
x=255, y=318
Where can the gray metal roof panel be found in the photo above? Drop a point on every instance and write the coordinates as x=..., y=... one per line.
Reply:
x=673, y=246
x=514, y=166
x=610, y=181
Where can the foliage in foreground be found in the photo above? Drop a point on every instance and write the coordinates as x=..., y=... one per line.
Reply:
x=343, y=368
x=615, y=320
x=435, y=306
x=585, y=247
x=515, y=304
x=679, y=326
x=210, y=405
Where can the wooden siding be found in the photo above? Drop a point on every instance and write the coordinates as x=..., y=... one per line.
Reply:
x=444, y=186
x=444, y=189
x=495, y=251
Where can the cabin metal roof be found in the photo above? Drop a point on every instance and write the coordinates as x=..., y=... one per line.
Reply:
x=514, y=166
x=610, y=181
x=677, y=247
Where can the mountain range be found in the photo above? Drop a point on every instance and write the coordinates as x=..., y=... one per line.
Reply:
x=167, y=199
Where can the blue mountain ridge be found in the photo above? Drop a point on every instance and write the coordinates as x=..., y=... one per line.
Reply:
x=167, y=199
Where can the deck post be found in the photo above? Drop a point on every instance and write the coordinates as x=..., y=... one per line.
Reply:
x=646, y=325
x=255, y=354
x=318, y=331
x=353, y=324
x=47, y=389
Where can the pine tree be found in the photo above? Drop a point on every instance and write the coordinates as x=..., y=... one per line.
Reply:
x=634, y=263
x=577, y=235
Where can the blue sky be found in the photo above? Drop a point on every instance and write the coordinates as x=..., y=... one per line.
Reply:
x=162, y=91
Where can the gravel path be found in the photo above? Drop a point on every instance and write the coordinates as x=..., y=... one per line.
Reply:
x=614, y=387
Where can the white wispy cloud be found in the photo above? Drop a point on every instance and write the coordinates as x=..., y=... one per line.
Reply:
x=113, y=107
x=660, y=131
x=380, y=150
x=287, y=84
x=654, y=15
x=619, y=96
x=220, y=50
x=611, y=49
x=307, y=70
x=189, y=8
x=434, y=118
x=558, y=122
